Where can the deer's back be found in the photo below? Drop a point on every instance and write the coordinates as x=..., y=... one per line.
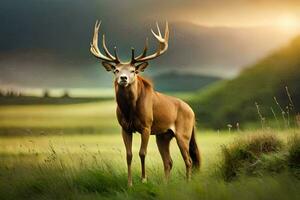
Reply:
x=167, y=111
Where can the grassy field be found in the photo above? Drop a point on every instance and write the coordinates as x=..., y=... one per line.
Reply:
x=87, y=118
x=76, y=152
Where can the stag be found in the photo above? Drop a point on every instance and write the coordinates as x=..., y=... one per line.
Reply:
x=143, y=110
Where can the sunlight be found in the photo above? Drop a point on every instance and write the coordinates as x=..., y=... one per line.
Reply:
x=289, y=23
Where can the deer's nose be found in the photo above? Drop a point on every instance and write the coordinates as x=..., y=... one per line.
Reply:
x=123, y=78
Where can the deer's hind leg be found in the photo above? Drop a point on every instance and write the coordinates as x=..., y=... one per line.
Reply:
x=163, y=144
x=183, y=136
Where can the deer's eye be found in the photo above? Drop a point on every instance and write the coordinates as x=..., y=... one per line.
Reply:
x=132, y=71
x=116, y=71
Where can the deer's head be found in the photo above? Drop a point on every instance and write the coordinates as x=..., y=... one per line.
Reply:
x=126, y=72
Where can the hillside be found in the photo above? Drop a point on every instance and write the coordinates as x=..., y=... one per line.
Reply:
x=234, y=100
x=168, y=81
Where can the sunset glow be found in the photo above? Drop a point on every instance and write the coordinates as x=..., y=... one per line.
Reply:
x=289, y=23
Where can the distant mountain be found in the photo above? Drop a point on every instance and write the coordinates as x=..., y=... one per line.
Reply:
x=234, y=100
x=181, y=82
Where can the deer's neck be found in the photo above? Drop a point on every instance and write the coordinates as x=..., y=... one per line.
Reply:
x=127, y=97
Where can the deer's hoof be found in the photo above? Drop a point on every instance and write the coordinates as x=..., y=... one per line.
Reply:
x=129, y=184
x=144, y=180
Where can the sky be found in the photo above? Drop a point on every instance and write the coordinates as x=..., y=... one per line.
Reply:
x=237, y=13
x=45, y=43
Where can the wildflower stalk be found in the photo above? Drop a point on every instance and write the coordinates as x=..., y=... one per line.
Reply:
x=262, y=119
x=291, y=107
x=282, y=111
x=290, y=98
x=275, y=117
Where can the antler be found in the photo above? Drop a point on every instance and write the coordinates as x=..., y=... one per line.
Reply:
x=162, y=46
x=95, y=50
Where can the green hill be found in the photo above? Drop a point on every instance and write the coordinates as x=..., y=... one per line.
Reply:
x=174, y=81
x=234, y=100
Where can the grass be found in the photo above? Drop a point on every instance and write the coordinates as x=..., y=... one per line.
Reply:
x=250, y=153
x=258, y=154
x=94, y=167
x=34, y=100
x=95, y=117
x=70, y=165
x=294, y=154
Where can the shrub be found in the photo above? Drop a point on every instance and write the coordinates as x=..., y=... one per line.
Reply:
x=248, y=153
x=293, y=156
x=264, y=143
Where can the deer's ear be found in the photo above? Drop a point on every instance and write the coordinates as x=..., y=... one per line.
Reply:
x=108, y=66
x=141, y=67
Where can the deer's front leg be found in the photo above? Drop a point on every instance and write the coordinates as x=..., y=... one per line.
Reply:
x=127, y=138
x=143, y=151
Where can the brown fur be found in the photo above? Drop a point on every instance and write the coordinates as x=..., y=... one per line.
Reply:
x=141, y=109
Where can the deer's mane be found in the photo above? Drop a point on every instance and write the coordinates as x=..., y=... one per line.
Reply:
x=125, y=100
x=145, y=81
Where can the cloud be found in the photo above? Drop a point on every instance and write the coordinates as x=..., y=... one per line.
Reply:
x=48, y=41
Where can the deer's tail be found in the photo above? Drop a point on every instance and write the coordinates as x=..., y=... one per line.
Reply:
x=194, y=151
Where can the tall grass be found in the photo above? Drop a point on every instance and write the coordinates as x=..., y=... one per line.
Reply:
x=57, y=182
x=88, y=173
x=294, y=154
x=61, y=166
x=260, y=154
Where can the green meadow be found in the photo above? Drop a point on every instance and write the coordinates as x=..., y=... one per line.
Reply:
x=76, y=151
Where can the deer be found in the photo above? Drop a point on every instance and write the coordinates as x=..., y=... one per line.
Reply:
x=142, y=109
